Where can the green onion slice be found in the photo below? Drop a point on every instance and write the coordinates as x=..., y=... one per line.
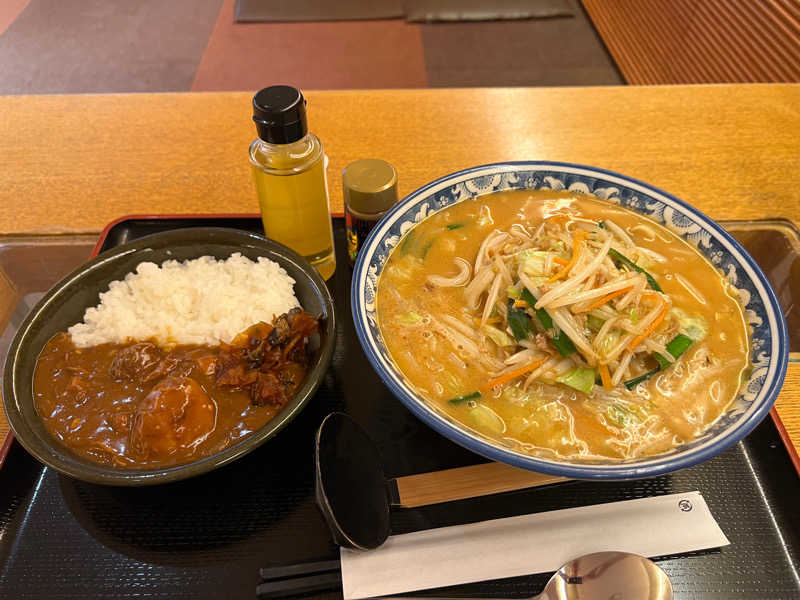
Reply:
x=632, y=265
x=677, y=346
x=632, y=383
x=518, y=321
x=460, y=399
x=562, y=343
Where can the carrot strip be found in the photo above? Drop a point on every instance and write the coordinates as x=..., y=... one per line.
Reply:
x=559, y=218
x=489, y=321
x=605, y=376
x=513, y=374
x=651, y=328
x=576, y=252
x=560, y=261
x=603, y=299
x=521, y=304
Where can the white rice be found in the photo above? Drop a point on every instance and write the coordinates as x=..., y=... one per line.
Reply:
x=200, y=301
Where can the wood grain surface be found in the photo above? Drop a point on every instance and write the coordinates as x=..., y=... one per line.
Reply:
x=788, y=402
x=714, y=41
x=74, y=163
x=467, y=482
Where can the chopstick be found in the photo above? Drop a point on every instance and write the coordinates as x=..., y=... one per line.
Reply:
x=299, y=578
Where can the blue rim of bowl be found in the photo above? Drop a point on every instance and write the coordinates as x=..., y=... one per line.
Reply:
x=623, y=470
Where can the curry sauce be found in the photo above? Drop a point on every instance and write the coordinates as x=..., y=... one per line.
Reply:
x=137, y=405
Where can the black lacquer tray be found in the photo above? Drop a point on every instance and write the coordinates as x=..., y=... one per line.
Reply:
x=207, y=537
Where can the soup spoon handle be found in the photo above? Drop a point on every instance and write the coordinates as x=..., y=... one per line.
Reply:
x=605, y=575
x=464, y=482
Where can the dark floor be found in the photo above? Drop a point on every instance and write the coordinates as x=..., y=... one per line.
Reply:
x=52, y=46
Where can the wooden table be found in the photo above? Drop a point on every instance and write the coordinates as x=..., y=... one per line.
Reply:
x=71, y=164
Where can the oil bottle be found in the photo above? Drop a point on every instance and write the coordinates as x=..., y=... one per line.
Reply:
x=289, y=170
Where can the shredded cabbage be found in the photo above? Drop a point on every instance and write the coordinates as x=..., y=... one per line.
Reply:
x=694, y=327
x=501, y=338
x=532, y=263
x=483, y=416
x=622, y=416
x=410, y=318
x=580, y=378
x=609, y=342
x=594, y=323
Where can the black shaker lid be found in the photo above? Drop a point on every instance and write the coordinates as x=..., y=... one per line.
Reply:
x=279, y=112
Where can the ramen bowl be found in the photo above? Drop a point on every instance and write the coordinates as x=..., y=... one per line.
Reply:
x=768, y=347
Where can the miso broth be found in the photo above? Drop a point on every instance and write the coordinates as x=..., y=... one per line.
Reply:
x=590, y=373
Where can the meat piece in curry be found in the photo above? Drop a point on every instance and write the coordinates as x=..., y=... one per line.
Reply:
x=177, y=414
x=138, y=405
x=270, y=360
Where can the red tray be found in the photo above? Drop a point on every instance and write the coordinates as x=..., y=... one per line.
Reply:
x=207, y=536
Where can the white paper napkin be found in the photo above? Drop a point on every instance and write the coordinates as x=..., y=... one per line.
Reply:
x=528, y=544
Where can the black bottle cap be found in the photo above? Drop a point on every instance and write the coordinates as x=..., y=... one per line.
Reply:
x=279, y=112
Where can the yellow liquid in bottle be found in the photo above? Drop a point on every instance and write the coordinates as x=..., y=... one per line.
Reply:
x=295, y=208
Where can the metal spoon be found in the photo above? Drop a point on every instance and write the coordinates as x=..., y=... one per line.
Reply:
x=355, y=496
x=351, y=491
x=606, y=576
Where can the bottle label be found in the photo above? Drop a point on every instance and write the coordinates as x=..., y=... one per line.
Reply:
x=357, y=231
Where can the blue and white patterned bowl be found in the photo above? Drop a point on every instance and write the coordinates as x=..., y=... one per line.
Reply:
x=770, y=343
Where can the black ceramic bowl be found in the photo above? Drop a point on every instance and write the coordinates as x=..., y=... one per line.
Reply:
x=65, y=304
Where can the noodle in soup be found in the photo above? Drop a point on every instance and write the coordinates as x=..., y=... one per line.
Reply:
x=563, y=326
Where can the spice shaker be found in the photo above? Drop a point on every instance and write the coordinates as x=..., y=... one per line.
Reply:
x=369, y=186
x=289, y=171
